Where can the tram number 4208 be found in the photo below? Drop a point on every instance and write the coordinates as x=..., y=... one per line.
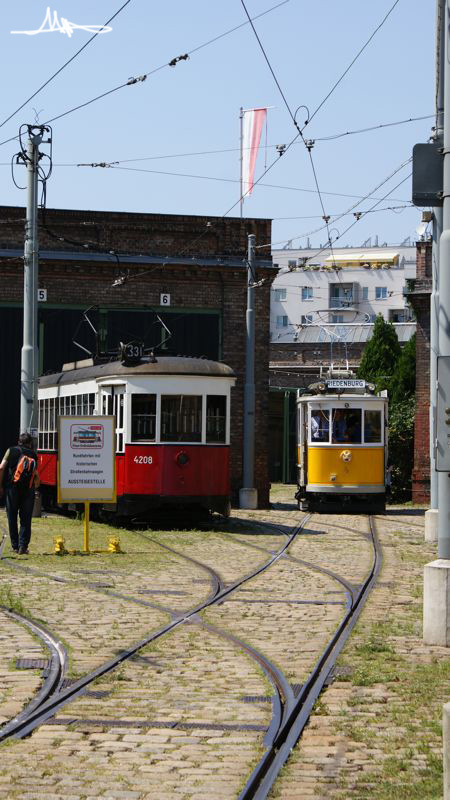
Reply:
x=143, y=460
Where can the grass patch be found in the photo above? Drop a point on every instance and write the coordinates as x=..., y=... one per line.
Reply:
x=11, y=601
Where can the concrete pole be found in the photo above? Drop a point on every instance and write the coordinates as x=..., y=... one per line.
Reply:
x=248, y=495
x=28, y=373
x=436, y=595
x=431, y=516
x=444, y=293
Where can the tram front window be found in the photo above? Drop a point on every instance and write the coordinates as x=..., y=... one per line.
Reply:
x=372, y=427
x=346, y=426
x=320, y=426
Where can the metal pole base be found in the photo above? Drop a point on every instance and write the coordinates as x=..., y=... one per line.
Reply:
x=37, y=508
x=248, y=498
x=436, y=602
x=431, y=525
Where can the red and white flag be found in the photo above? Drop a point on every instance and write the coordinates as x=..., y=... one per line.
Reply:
x=252, y=125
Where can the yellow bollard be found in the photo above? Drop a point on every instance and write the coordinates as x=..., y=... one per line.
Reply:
x=114, y=545
x=60, y=548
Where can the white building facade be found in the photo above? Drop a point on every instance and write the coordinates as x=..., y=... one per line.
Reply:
x=339, y=286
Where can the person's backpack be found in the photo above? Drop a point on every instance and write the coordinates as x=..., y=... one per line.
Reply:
x=25, y=471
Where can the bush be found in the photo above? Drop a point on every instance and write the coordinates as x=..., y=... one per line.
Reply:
x=401, y=447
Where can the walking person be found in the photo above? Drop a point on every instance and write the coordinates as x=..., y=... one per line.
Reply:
x=18, y=479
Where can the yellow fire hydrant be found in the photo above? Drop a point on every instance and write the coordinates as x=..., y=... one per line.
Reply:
x=60, y=547
x=114, y=544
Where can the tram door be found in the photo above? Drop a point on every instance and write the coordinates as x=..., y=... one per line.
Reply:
x=302, y=453
x=112, y=403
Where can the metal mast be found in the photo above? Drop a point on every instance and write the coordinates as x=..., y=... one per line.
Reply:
x=28, y=372
x=248, y=496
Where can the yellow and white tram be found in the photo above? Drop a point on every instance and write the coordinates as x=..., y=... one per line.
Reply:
x=342, y=446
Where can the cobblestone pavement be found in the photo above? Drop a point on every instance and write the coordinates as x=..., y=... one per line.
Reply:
x=364, y=740
x=119, y=740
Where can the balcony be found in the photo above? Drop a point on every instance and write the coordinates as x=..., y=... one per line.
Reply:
x=346, y=301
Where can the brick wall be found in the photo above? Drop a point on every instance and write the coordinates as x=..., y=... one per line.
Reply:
x=220, y=286
x=420, y=300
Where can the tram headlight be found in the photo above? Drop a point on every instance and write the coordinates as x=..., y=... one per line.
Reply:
x=182, y=458
x=371, y=387
x=321, y=387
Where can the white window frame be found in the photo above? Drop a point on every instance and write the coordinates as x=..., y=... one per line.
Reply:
x=307, y=293
x=381, y=293
x=282, y=321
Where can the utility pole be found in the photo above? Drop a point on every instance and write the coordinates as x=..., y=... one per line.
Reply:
x=248, y=495
x=29, y=356
x=436, y=627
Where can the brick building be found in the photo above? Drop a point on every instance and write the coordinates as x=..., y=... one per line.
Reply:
x=141, y=275
x=419, y=296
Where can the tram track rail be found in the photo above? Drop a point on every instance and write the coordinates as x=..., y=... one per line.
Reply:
x=290, y=708
x=263, y=777
x=47, y=707
x=57, y=665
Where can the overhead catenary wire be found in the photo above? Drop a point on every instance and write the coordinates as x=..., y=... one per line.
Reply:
x=66, y=64
x=348, y=211
x=340, y=79
x=331, y=137
x=362, y=214
x=141, y=78
x=224, y=180
x=292, y=115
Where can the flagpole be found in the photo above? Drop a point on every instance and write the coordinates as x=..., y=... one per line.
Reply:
x=241, y=117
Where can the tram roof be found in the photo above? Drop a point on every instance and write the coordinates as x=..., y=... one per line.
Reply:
x=164, y=365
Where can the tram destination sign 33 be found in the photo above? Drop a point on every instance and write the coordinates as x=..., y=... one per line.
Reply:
x=86, y=460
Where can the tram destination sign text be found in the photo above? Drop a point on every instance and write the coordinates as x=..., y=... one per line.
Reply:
x=86, y=459
x=346, y=383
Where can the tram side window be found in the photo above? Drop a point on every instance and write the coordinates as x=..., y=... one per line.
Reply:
x=216, y=411
x=346, y=426
x=372, y=427
x=181, y=418
x=47, y=424
x=320, y=425
x=143, y=417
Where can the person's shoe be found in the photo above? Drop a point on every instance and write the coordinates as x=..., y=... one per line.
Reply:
x=23, y=551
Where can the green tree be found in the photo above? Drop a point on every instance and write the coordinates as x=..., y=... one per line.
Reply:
x=380, y=357
x=404, y=384
x=389, y=367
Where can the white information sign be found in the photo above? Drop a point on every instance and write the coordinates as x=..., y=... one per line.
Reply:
x=86, y=460
x=164, y=299
x=344, y=383
x=42, y=295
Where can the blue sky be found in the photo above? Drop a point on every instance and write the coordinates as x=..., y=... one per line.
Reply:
x=194, y=107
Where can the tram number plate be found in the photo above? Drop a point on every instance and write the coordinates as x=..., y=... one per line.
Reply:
x=143, y=459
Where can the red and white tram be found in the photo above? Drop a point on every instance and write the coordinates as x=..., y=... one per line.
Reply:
x=172, y=430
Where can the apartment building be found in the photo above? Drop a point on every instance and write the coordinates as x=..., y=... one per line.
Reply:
x=339, y=286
